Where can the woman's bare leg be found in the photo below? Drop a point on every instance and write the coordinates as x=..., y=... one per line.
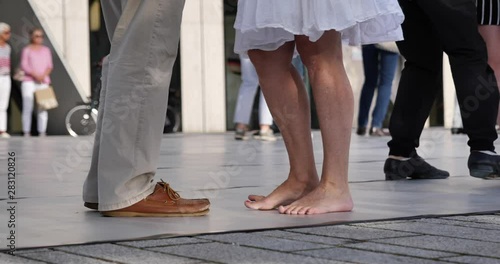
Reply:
x=491, y=35
x=334, y=101
x=287, y=100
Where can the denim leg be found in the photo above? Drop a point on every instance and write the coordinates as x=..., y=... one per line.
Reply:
x=388, y=64
x=371, y=68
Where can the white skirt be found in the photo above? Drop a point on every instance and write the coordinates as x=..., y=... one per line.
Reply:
x=268, y=24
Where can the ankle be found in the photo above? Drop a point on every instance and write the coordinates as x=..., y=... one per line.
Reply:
x=401, y=158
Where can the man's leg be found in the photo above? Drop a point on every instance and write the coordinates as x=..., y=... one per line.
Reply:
x=477, y=92
x=475, y=82
x=419, y=84
x=112, y=13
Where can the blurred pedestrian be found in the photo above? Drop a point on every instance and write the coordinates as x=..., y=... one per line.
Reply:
x=5, y=81
x=379, y=67
x=36, y=62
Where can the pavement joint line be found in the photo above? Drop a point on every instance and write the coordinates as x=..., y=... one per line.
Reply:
x=400, y=254
x=446, y=251
x=163, y=253
x=427, y=234
x=87, y=256
x=19, y=256
x=463, y=225
x=182, y=256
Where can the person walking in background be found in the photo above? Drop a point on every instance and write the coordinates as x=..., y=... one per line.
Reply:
x=431, y=27
x=36, y=62
x=136, y=75
x=380, y=67
x=248, y=88
x=270, y=31
x=5, y=81
x=488, y=16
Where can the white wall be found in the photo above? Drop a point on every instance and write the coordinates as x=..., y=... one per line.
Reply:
x=66, y=22
x=202, y=67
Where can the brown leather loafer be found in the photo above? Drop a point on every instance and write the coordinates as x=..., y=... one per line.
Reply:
x=163, y=202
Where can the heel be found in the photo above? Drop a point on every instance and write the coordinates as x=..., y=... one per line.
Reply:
x=483, y=172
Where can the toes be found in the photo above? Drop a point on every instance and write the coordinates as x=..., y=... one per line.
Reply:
x=256, y=198
x=262, y=205
x=291, y=210
x=303, y=210
x=282, y=209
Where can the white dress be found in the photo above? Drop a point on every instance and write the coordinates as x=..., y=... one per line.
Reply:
x=268, y=24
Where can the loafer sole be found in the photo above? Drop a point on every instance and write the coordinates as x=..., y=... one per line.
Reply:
x=136, y=214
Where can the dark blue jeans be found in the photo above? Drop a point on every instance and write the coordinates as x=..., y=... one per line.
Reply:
x=380, y=67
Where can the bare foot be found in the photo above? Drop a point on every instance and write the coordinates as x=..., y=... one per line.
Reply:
x=289, y=191
x=324, y=199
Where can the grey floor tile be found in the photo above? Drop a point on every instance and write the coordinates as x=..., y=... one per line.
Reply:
x=124, y=254
x=428, y=228
x=226, y=253
x=454, y=245
x=361, y=256
x=62, y=257
x=472, y=259
x=400, y=250
x=352, y=232
x=8, y=259
x=272, y=243
x=163, y=242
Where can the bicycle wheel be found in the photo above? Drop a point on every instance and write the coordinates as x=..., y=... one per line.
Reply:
x=81, y=120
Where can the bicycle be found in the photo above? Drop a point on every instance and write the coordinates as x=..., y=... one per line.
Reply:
x=81, y=120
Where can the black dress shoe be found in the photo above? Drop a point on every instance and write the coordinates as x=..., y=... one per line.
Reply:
x=414, y=168
x=361, y=131
x=484, y=166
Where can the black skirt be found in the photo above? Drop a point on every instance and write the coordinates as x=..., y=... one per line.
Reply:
x=488, y=12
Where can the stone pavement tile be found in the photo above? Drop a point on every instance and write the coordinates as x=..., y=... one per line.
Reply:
x=490, y=219
x=447, y=221
x=272, y=243
x=352, y=232
x=362, y=256
x=472, y=259
x=400, y=250
x=60, y=257
x=124, y=254
x=445, y=230
x=226, y=253
x=305, y=237
x=163, y=242
x=454, y=245
x=9, y=259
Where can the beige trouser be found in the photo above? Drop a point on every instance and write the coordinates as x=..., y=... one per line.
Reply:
x=136, y=77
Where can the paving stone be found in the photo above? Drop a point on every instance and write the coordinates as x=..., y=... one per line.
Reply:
x=472, y=259
x=360, y=256
x=60, y=257
x=445, y=230
x=163, y=242
x=400, y=250
x=9, y=259
x=124, y=254
x=352, y=232
x=272, y=243
x=491, y=219
x=226, y=253
x=305, y=237
x=455, y=245
x=443, y=221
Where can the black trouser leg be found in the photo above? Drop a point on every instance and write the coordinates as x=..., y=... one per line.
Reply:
x=476, y=86
x=420, y=81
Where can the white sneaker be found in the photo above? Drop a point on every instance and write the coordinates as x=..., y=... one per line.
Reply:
x=266, y=135
x=4, y=135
